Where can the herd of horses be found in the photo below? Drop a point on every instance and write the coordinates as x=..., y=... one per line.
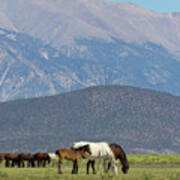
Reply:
x=19, y=159
x=101, y=151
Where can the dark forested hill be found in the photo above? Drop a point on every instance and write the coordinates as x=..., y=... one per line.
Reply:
x=140, y=120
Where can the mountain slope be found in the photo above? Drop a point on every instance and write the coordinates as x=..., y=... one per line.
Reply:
x=48, y=47
x=29, y=68
x=61, y=22
x=138, y=119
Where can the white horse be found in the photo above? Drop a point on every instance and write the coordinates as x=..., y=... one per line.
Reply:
x=100, y=151
x=54, y=159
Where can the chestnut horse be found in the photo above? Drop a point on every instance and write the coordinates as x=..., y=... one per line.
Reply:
x=27, y=157
x=41, y=159
x=73, y=155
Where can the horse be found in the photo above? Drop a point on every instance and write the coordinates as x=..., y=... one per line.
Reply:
x=100, y=151
x=14, y=157
x=41, y=158
x=53, y=158
x=120, y=154
x=73, y=155
x=27, y=157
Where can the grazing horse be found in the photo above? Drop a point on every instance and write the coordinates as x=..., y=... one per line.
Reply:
x=14, y=157
x=27, y=157
x=100, y=151
x=72, y=155
x=41, y=158
x=119, y=154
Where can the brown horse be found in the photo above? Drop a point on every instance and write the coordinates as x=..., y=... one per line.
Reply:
x=27, y=157
x=72, y=155
x=14, y=158
x=118, y=153
x=41, y=158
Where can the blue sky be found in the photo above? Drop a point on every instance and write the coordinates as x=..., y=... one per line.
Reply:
x=156, y=5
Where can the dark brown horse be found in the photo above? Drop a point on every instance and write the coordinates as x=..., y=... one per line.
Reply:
x=13, y=158
x=41, y=158
x=73, y=155
x=28, y=157
x=118, y=153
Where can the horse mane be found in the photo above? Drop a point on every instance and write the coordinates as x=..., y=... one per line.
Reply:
x=82, y=147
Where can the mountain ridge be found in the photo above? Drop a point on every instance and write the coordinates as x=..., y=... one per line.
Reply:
x=98, y=19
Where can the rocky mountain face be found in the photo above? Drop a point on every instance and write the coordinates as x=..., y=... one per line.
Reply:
x=29, y=68
x=60, y=22
x=53, y=46
x=140, y=120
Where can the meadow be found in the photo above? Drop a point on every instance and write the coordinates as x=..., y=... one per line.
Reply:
x=142, y=167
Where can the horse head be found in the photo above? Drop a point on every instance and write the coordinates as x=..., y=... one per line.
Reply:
x=125, y=168
x=57, y=152
x=84, y=149
x=87, y=149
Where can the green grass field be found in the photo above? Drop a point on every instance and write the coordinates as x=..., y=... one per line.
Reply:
x=142, y=167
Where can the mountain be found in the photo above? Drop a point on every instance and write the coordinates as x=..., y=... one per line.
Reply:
x=60, y=22
x=140, y=120
x=29, y=68
x=48, y=47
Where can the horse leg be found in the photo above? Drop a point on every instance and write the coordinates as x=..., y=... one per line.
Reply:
x=59, y=167
x=39, y=163
x=7, y=163
x=99, y=165
x=12, y=164
x=77, y=163
x=29, y=163
x=93, y=166
x=74, y=167
x=109, y=166
x=20, y=162
x=44, y=163
x=60, y=164
x=114, y=166
x=104, y=164
x=87, y=166
x=23, y=163
x=32, y=164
